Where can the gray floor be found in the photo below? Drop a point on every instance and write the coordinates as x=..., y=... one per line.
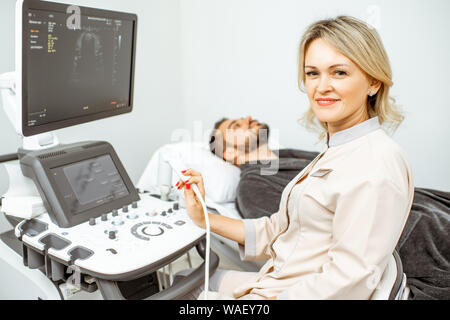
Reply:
x=4, y=224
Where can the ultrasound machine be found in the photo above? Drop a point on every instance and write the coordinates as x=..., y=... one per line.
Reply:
x=81, y=228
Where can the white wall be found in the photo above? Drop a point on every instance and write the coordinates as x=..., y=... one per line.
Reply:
x=9, y=141
x=157, y=108
x=239, y=58
x=199, y=60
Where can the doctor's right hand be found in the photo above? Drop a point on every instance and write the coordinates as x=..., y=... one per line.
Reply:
x=193, y=204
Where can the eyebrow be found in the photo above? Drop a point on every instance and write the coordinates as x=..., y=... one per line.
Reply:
x=333, y=66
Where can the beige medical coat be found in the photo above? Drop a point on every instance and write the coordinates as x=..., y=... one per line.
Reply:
x=335, y=230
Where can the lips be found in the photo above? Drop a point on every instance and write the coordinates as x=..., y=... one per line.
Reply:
x=325, y=102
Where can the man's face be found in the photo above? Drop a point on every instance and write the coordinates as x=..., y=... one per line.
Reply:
x=242, y=136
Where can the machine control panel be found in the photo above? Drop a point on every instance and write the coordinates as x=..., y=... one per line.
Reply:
x=120, y=241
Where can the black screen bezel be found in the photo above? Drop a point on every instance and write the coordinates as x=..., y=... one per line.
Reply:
x=58, y=7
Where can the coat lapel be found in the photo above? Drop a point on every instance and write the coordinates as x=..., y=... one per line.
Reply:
x=285, y=198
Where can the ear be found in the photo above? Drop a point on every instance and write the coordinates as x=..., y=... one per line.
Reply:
x=374, y=86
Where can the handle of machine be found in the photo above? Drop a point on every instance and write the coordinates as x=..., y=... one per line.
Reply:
x=191, y=282
x=9, y=157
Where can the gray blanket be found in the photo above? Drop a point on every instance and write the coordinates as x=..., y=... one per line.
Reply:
x=259, y=195
x=424, y=245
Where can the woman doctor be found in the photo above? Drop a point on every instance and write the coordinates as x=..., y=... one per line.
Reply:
x=339, y=219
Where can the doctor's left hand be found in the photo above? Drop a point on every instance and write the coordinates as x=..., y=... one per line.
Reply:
x=193, y=204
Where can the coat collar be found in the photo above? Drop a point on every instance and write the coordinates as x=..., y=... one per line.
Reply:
x=352, y=133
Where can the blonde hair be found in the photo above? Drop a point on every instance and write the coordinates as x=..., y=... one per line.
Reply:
x=361, y=44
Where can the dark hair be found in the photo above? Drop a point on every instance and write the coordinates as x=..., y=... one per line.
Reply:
x=216, y=137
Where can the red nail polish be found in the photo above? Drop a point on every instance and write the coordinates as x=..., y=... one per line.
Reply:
x=183, y=171
x=177, y=183
x=188, y=186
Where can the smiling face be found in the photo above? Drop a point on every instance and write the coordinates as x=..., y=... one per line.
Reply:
x=337, y=88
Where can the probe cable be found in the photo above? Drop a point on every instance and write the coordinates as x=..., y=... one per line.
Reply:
x=207, y=226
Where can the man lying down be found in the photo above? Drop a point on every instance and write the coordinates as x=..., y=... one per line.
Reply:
x=264, y=172
x=423, y=246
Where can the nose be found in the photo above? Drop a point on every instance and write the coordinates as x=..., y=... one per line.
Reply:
x=245, y=122
x=324, y=84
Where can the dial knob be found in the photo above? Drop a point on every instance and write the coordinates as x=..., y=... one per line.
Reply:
x=125, y=208
x=112, y=235
x=118, y=222
x=104, y=217
x=134, y=205
x=115, y=213
x=91, y=221
x=176, y=206
x=132, y=216
x=151, y=213
x=152, y=231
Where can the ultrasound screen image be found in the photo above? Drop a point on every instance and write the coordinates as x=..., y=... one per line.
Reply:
x=77, y=72
x=89, y=183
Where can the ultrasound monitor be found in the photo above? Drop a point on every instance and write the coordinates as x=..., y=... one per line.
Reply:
x=74, y=64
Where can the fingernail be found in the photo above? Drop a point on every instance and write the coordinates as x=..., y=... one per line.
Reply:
x=183, y=171
x=177, y=183
x=186, y=181
x=188, y=186
x=179, y=187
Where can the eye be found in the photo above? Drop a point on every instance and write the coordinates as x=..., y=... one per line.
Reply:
x=340, y=73
x=311, y=74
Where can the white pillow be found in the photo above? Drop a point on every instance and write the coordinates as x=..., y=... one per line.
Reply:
x=220, y=177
